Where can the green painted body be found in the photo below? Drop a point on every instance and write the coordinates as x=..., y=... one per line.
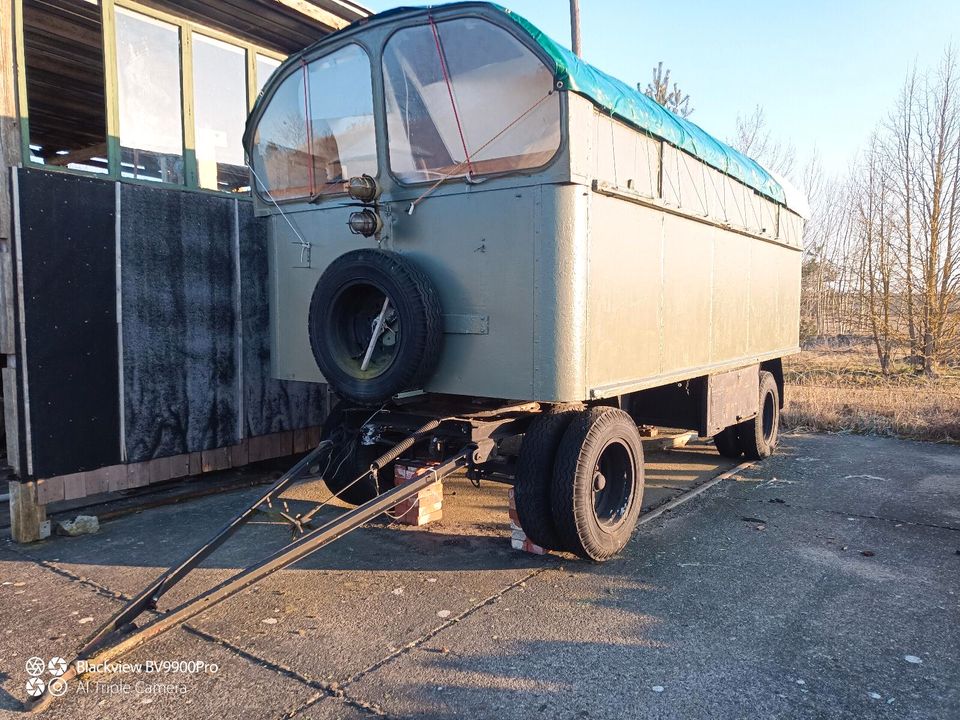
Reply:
x=623, y=264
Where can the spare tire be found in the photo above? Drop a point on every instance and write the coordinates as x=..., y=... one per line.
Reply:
x=348, y=300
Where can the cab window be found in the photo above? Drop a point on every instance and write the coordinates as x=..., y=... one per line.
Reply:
x=317, y=130
x=465, y=96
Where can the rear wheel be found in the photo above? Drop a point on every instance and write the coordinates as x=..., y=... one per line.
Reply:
x=759, y=436
x=597, y=486
x=534, y=476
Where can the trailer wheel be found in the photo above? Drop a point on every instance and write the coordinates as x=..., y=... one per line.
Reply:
x=728, y=442
x=759, y=436
x=375, y=326
x=534, y=476
x=597, y=485
x=349, y=459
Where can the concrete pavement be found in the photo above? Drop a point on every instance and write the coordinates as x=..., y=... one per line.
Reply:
x=808, y=586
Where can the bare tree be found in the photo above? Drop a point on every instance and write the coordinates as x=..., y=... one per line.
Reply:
x=882, y=249
x=755, y=140
x=872, y=202
x=938, y=206
x=823, y=245
x=901, y=147
x=673, y=99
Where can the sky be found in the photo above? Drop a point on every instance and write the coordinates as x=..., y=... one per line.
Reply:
x=826, y=72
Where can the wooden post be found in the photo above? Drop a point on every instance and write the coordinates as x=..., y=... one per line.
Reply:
x=575, y=26
x=10, y=149
x=28, y=518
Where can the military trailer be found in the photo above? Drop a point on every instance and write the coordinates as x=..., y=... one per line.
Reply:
x=502, y=260
x=478, y=239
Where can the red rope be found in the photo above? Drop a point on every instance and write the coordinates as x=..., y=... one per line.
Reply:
x=459, y=166
x=453, y=104
x=309, y=120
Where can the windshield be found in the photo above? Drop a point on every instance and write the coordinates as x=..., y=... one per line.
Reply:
x=465, y=96
x=294, y=158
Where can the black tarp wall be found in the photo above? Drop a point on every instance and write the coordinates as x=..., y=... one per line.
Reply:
x=146, y=324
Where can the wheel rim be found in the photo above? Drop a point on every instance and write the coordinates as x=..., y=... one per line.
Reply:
x=613, y=485
x=352, y=320
x=769, y=417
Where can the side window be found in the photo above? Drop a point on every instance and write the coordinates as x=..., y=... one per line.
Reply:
x=465, y=96
x=281, y=160
x=318, y=129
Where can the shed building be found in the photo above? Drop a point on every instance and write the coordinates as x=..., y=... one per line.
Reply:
x=132, y=270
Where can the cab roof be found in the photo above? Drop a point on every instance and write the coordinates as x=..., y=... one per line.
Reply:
x=606, y=92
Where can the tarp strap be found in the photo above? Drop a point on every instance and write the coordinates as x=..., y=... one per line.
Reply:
x=311, y=170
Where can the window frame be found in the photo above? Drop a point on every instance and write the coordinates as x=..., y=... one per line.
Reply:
x=108, y=28
x=537, y=53
x=302, y=66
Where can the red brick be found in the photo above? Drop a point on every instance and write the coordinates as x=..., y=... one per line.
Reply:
x=427, y=506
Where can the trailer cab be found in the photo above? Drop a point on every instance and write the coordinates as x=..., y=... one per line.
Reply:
x=446, y=96
x=460, y=212
x=539, y=201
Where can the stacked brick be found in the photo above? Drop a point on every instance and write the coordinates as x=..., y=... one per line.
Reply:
x=427, y=505
x=518, y=538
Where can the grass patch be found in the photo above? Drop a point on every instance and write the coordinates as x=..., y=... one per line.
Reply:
x=844, y=391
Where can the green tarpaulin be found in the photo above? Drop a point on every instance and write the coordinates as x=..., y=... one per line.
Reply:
x=632, y=106
x=615, y=97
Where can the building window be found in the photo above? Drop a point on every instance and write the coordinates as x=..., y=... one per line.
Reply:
x=220, y=110
x=158, y=133
x=296, y=158
x=265, y=67
x=465, y=96
x=63, y=53
x=148, y=74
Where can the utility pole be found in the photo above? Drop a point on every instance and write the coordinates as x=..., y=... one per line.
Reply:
x=575, y=26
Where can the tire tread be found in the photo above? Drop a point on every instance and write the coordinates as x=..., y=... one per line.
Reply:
x=425, y=329
x=534, y=476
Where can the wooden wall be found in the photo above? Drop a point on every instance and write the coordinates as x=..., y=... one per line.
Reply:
x=145, y=352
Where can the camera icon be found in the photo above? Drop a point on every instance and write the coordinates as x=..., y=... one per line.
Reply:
x=35, y=666
x=35, y=687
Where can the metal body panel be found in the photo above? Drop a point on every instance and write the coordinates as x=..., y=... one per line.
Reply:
x=624, y=264
x=626, y=305
x=477, y=248
x=731, y=398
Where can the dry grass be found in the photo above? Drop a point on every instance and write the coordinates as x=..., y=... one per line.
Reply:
x=844, y=391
